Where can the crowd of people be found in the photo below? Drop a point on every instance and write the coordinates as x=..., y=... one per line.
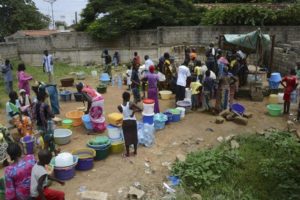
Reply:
x=218, y=77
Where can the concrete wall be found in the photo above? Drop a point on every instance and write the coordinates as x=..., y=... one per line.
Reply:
x=80, y=48
x=8, y=50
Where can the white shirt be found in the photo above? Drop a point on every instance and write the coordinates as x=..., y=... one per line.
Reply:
x=183, y=73
x=148, y=63
x=36, y=173
x=47, y=60
x=128, y=76
x=127, y=112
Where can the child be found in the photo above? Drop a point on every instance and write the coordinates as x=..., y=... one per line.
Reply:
x=289, y=86
x=23, y=78
x=13, y=107
x=197, y=71
x=39, y=178
x=129, y=125
x=43, y=115
x=7, y=75
x=196, y=88
x=208, y=87
x=128, y=77
x=25, y=102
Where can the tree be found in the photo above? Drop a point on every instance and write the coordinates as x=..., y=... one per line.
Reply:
x=106, y=19
x=20, y=15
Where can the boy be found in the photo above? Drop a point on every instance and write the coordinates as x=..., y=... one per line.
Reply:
x=39, y=178
x=196, y=88
x=208, y=87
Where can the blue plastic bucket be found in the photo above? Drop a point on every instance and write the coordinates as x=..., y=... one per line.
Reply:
x=170, y=116
x=87, y=122
x=148, y=119
x=273, y=84
x=275, y=77
x=28, y=144
x=176, y=117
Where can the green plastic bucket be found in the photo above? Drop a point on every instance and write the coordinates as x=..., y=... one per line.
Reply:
x=274, y=109
x=67, y=123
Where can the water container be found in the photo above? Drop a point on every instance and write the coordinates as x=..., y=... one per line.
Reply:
x=119, y=82
x=114, y=132
x=294, y=97
x=280, y=98
x=273, y=99
x=182, y=112
x=148, y=106
x=28, y=144
x=113, y=81
x=148, y=119
x=148, y=132
x=188, y=93
x=275, y=77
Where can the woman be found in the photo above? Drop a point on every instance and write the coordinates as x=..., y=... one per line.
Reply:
x=95, y=105
x=18, y=174
x=290, y=84
x=152, y=87
x=23, y=79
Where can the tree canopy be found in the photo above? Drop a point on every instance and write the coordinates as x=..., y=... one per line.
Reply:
x=20, y=15
x=106, y=19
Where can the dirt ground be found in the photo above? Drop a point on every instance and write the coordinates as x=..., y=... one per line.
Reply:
x=115, y=174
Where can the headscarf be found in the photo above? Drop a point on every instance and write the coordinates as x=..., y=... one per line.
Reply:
x=151, y=69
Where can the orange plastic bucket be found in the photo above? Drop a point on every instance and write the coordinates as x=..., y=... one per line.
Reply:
x=75, y=116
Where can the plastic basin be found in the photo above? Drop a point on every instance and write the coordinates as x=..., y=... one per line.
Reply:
x=274, y=109
x=62, y=136
x=65, y=96
x=64, y=173
x=165, y=94
x=85, y=158
x=238, y=108
x=75, y=116
x=117, y=147
x=101, y=152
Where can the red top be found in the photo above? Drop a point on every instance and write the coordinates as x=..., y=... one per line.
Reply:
x=290, y=83
x=148, y=101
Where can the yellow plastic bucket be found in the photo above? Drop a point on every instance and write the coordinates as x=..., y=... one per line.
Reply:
x=117, y=147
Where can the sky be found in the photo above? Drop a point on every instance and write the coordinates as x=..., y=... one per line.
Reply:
x=64, y=10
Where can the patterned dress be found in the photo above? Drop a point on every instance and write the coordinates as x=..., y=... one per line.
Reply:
x=17, y=179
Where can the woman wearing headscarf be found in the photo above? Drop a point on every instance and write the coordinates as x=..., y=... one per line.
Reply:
x=152, y=87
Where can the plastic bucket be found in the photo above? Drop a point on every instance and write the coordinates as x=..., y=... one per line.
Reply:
x=274, y=109
x=62, y=136
x=182, y=112
x=148, y=106
x=28, y=144
x=87, y=122
x=101, y=152
x=75, y=116
x=114, y=132
x=275, y=77
x=117, y=147
x=273, y=99
x=169, y=115
x=176, y=117
x=158, y=125
x=148, y=119
x=85, y=158
x=273, y=84
x=67, y=123
x=78, y=96
x=65, y=173
x=65, y=96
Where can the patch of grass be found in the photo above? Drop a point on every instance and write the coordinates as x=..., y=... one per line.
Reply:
x=60, y=70
x=262, y=168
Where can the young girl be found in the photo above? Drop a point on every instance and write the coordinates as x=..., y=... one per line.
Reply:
x=23, y=79
x=196, y=89
x=290, y=84
x=129, y=125
x=43, y=115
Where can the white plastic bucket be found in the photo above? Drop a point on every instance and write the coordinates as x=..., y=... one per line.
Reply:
x=188, y=93
x=182, y=112
x=94, y=73
x=148, y=109
x=114, y=132
x=280, y=98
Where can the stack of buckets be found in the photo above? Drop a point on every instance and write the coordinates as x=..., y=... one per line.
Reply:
x=98, y=119
x=116, y=136
x=148, y=111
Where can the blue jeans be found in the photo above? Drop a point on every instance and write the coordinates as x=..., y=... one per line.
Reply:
x=136, y=94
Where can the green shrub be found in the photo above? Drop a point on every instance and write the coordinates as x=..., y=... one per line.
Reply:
x=261, y=168
x=252, y=15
